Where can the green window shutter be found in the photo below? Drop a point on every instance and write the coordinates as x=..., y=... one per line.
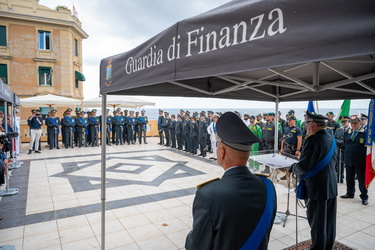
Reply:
x=44, y=70
x=3, y=70
x=3, y=36
x=4, y=73
x=80, y=76
x=45, y=80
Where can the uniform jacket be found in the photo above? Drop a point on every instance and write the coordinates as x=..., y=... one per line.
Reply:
x=323, y=185
x=355, y=150
x=212, y=131
x=52, y=125
x=203, y=129
x=160, y=122
x=227, y=210
x=194, y=129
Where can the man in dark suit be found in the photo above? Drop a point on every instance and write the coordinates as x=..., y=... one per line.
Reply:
x=321, y=189
x=226, y=211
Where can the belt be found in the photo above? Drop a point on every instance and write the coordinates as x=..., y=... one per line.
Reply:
x=35, y=128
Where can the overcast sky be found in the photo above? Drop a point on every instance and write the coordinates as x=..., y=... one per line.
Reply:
x=117, y=26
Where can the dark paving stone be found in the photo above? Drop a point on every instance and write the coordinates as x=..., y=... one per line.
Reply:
x=40, y=217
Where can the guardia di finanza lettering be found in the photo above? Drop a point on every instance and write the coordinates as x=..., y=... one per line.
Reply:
x=200, y=42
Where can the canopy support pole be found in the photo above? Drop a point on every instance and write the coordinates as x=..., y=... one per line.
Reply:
x=316, y=80
x=103, y=140
x=276, y=136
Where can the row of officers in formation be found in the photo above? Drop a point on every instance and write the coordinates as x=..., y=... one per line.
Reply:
x=82, y=130
x=190, y=132
x=196, y=133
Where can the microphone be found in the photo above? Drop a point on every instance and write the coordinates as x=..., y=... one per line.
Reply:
x=285, y=137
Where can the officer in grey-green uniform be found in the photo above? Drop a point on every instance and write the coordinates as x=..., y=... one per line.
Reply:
x=355, y=160
x=340, y=142
x=178, y=130
x=227, y=211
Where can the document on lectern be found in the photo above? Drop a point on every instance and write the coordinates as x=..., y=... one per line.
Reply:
x=273, y=160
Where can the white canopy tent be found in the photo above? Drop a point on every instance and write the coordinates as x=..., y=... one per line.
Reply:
x=117, y=101
x=49, y=100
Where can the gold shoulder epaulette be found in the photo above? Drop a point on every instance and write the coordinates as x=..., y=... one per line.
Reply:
x=264, y=175
x=204, y=183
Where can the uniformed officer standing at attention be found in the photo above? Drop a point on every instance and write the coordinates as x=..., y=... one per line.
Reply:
x=211, y=130
x=53, y=130
x=88, y=136
x=130, y=128
x=203, y=135
x=165, y=126
x=124, y=123
x=340, y=141
x=355, y=160
x=268, y=132
x=259, y=121
x=81, y=127
x=178, y=130
x=194, y=132
x=116, y=126
x=160, y=127
x=68, y=123
x=137, y=125
x=226, y=211
x=186, y=132
x=292, y=145
x=143, y=127
x=363, y=119
x=94, y=128
x=332, y=125
x=172, y=131
x=319, y=154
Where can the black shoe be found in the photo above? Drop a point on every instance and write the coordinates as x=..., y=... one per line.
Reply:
x=109, y=144
x=283, y=178
x=341, y=181
x=347, y=196
x=364, y=202
x=145, y=142
x=30, y=151
x=37, y=151
x=50, y=148
x=57, y=148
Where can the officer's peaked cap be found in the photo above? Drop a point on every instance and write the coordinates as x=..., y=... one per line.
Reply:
x=313, y=117
x=233, y=132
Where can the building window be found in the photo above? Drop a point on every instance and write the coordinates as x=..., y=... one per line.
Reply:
x=77, y=83
x=4, y=73
x=3, y=36
x=44, y=40
x=75, y=47
x=45, y=76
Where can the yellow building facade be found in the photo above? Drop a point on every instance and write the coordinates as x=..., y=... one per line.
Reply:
x=40, y=51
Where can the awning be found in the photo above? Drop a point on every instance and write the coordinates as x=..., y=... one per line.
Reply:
x=80, y=76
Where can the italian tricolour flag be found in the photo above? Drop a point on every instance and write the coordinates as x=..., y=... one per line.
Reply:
x=370, y=143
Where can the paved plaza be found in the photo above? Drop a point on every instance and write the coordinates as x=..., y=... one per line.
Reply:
x=150, y=191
